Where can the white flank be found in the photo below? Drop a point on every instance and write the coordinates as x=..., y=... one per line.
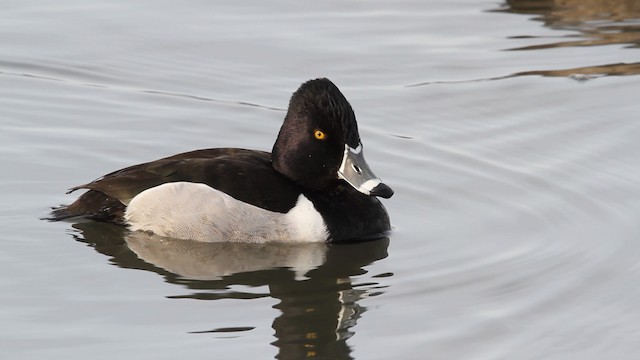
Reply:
x=195, y=211
x=306, y=222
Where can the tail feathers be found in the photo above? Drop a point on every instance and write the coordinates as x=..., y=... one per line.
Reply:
x=61, y=213
x=92, y=205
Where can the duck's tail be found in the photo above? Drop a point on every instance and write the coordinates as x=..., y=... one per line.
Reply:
x=92, y=205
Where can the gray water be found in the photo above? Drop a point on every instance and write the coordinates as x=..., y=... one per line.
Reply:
x=508, y=130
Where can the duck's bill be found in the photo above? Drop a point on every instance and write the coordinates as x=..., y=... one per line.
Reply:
x=355, y=171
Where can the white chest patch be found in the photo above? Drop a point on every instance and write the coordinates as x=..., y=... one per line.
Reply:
x=195, y=211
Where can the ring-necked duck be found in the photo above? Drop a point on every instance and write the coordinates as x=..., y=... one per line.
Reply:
x=314, y=186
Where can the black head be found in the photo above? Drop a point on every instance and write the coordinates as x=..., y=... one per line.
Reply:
x=314, y=140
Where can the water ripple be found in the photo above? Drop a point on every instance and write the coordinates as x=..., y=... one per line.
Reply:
x=71, y=75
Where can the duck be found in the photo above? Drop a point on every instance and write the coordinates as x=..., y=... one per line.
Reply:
x=314, y=185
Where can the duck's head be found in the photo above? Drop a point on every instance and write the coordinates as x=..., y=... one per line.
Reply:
x=319, y=144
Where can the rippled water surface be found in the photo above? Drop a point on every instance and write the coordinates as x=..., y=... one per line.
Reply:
x=508, y=130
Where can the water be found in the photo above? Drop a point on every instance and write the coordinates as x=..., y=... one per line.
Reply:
x=508, y=131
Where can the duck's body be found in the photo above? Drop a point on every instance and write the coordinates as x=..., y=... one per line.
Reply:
x=314, y=186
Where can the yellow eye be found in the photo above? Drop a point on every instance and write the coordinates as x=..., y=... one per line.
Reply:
x=319, y=134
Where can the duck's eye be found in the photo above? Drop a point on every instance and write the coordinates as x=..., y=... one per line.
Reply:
x=319, y=134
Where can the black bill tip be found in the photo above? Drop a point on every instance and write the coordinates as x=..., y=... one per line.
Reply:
x=382, y=190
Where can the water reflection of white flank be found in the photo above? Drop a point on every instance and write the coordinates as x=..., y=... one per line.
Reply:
x=211, y=261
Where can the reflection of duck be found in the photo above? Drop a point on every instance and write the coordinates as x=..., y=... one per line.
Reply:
x=212, y=261
x=318, y=312
x=314, y=186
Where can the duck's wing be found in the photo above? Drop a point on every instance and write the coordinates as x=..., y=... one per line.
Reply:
x=246, y=175
x=126, y=183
